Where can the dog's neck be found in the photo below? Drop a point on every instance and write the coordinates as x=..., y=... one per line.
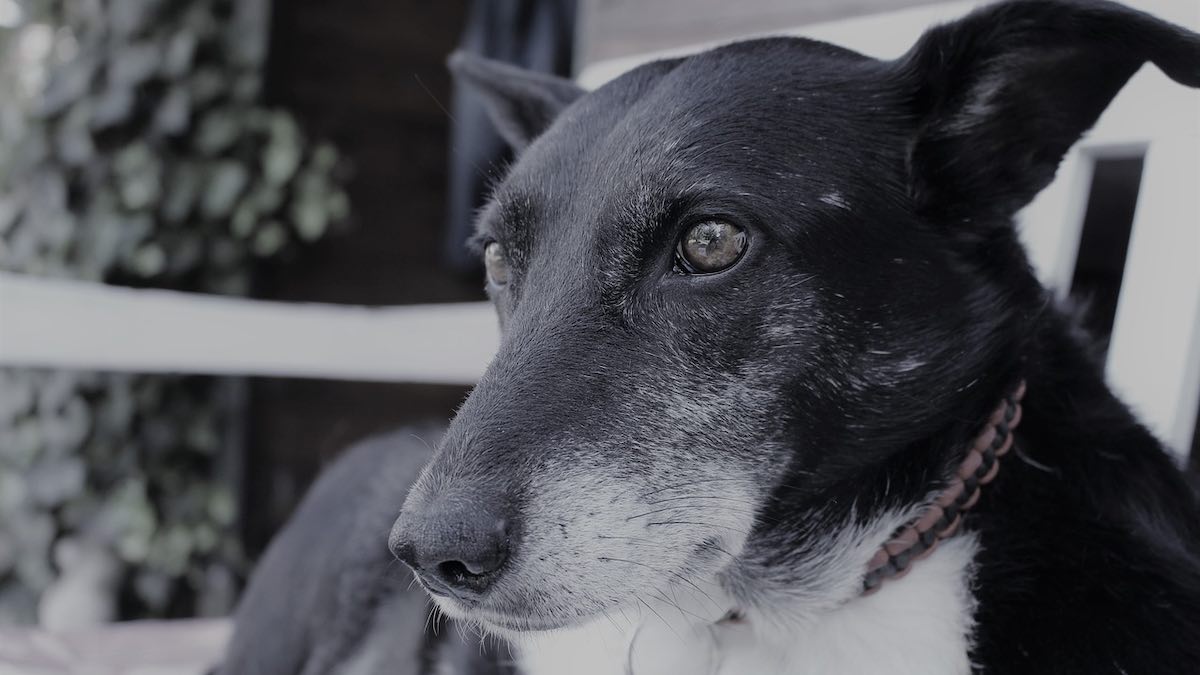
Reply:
x=685, y=634
x=730, y=629
x=940, y=519
x=829, y=546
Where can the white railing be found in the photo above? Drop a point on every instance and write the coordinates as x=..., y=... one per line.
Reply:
x=82, y=325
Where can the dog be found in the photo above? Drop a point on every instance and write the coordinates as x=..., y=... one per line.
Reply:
x=777, y=393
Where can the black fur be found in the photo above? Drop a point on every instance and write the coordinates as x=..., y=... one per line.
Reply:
x=319, y=587
x=882, y=309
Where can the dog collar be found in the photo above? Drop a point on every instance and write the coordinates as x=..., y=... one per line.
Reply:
x=940, y=519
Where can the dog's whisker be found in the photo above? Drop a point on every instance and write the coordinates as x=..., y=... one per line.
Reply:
x=713, y=601
x=430, y=620
x=689, y=484
x=660, y=618
x=690, y=507
x=692, y=522
x=642, y=541
x=673, y=604
x=683, y=613
x=721, y=549
x=713, y=497
x=421, y=439
x=455, y=147
x=756, y=513
x=388, y=569
x=612, y=622
x=662, y=571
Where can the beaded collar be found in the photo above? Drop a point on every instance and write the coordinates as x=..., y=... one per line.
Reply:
x=940, y=519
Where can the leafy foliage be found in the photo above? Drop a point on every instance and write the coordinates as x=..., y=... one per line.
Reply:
x=134, y=150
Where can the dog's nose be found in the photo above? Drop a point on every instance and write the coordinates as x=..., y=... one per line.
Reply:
x=456, y=546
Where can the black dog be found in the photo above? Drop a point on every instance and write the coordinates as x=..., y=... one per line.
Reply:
x=768, y=336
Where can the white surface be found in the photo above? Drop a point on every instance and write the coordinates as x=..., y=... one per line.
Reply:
x=1154, y=355
x=187, y=647
x=883, y=36
x=81, y=325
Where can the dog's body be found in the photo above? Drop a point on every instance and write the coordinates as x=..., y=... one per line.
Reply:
x=756, y=302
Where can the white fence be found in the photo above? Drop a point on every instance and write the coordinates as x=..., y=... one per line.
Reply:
x=1153, y=361
x=82, y=325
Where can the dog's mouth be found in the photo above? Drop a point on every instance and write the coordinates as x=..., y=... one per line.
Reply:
x=440, y=589
x=496, y=620
x=525, y=624
x=519, y=611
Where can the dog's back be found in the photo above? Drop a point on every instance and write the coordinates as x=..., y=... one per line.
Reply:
x=320, y=586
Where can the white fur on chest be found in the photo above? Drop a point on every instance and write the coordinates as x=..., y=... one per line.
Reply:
x=920, y=624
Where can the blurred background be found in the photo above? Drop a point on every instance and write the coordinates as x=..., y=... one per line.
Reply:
x=306, y=174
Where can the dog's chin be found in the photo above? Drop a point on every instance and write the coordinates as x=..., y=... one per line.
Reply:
x=505, y=624
x=514, y=627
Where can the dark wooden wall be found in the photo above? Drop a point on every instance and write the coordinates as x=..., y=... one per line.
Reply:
x=369, y=76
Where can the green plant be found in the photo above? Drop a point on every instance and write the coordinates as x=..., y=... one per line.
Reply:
x=134, y=150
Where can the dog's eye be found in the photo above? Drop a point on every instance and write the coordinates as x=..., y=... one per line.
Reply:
x=496, y=264
x=711, y=246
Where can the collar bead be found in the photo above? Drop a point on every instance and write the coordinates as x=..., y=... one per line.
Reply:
x=941, y=518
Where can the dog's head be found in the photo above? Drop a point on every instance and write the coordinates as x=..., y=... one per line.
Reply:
x=740, y=293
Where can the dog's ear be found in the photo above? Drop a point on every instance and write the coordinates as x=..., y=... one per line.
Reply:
x=521, y=103
x=1001, y=95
